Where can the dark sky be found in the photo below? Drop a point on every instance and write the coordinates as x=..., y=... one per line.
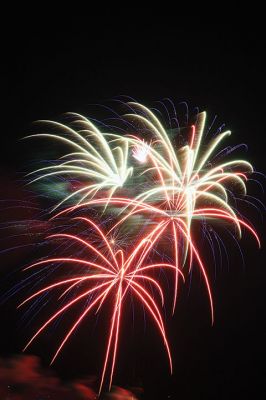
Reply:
x=51, y=68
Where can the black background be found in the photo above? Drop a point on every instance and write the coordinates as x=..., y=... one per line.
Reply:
x=52, y=67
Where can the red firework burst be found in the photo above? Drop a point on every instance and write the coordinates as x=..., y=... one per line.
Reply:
x=115, y=275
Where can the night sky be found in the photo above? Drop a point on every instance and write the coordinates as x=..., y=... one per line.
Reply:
x=52, y=68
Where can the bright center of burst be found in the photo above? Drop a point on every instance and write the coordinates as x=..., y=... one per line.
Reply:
x=117, y=180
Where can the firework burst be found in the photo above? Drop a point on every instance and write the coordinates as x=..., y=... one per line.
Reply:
x=93, y=159
x=115, y=274
x=172, y=187
x=187, y=185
